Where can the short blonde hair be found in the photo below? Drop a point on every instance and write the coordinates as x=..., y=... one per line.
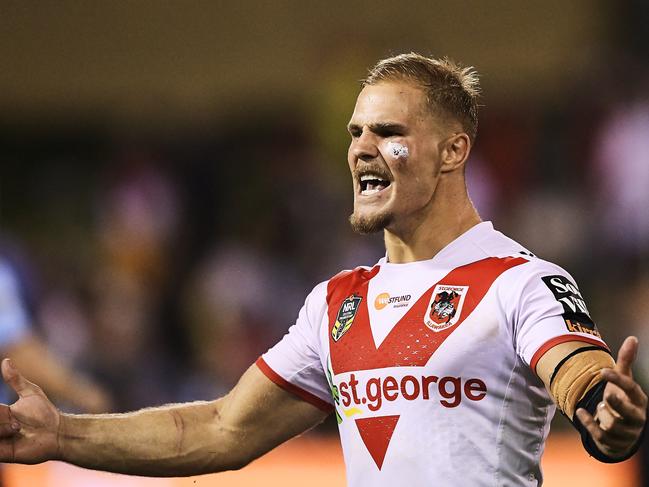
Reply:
x=451, y=89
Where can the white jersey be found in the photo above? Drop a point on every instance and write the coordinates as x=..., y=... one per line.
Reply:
x=429, y=365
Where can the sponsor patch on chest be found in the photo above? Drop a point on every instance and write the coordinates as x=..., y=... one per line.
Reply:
x=445, y=306
x=384, y=299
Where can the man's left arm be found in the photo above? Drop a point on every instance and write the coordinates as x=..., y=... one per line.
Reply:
x=598, y=395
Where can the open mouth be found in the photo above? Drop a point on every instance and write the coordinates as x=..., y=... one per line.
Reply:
x=373, y=183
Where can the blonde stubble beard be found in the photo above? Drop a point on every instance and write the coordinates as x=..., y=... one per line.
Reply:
x=365, y=225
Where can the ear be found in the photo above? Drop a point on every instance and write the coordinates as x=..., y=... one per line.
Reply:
x=455, y=152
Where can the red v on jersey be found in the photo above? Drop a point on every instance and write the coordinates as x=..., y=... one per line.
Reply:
x=409, y=343
x=376, y=433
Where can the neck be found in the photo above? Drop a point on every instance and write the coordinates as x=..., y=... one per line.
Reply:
x=448, y=216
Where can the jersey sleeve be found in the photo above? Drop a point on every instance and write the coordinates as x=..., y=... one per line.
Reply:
x=545, y=308
x=14, y=321
x=294, y=362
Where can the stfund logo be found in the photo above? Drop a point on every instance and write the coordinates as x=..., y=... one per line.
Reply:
x=384, y=299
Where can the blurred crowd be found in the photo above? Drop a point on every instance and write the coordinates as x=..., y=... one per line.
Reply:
x=162, y=267
x=164, y=270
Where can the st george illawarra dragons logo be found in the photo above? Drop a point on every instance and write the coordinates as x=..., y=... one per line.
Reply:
x=445, y=306
x=345, y=317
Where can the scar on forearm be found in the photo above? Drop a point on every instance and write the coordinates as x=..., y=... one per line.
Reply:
x=180, y=429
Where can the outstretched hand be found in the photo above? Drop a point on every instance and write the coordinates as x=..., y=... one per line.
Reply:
x=621, y=416
x=29, y=427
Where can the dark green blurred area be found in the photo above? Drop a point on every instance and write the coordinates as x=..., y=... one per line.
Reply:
x=173, y=178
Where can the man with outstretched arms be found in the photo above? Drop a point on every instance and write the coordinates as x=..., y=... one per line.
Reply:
x=443, y=363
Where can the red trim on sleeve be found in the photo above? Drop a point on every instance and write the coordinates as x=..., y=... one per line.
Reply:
x=562, y=339
x=287, y=386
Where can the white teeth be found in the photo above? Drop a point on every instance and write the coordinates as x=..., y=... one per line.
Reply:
x=368, y=177
x=372, y=183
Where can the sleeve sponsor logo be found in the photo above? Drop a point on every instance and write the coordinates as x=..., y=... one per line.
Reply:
x=575, y=312
x=345, y=316
x=445, y=306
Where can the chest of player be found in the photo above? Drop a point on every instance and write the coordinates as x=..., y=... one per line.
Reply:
x=403, y=346
x=440, y=326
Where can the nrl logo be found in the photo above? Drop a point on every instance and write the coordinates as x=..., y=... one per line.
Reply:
x=445, y=306
x=345, y=316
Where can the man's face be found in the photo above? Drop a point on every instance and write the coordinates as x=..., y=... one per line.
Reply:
x=394, y=156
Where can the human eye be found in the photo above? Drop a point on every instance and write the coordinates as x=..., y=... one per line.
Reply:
x=355, y=132
x=388, y=131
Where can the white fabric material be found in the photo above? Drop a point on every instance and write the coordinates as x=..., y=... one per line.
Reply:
x=455, y=433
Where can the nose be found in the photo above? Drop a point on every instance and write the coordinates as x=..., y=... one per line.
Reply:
x=364, y=147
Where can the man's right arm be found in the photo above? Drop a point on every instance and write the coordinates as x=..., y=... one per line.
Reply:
x=169, y=441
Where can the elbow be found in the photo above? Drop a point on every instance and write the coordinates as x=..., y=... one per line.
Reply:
x=243, y=454
x=236, y=461
x=235, y=451
x=217, y=462
x=240, y=463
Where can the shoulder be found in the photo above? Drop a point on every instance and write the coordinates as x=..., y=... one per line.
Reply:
x=540, y=287
x=358, y=274
x=317, y=300
x=496, y=244
x=316, y=303
x=534, y=275
x=348, y=282
x=493, y=243
x=538, y=270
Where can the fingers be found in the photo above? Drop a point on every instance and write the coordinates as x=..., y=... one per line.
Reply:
x=9, y=429
x=610, y=437
x=614, y=424
x=628, y=385
x=626, y=356
x=588, y=422
x=16, y=381
x=8, y=425
x=4, y=368
x=604, y=417
x=626, y=411
x=620, y=417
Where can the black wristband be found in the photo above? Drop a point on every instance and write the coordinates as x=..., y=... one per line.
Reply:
x=589, y=402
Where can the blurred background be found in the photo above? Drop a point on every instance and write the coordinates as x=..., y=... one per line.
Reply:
x=173, y=174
